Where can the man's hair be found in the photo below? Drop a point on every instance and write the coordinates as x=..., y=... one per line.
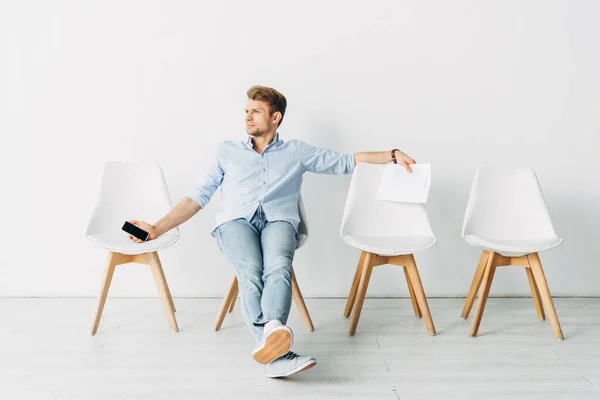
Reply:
x=272, y=97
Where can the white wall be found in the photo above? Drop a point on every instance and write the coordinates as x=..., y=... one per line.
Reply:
x=457, y=84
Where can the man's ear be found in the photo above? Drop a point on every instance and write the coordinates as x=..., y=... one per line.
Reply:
x=276, y=117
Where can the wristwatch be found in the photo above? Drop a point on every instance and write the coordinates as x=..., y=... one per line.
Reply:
x=394, y=156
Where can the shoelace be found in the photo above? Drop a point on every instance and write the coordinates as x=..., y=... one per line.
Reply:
x=291, y=355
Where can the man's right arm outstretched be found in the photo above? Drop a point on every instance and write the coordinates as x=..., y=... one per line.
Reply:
x=184, y=210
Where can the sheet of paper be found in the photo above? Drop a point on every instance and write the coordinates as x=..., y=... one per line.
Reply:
x=399, y=185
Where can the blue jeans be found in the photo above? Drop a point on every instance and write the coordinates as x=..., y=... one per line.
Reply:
x=261, y=252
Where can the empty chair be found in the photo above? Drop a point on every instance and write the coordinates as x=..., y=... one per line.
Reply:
x=508, y=220
x=232, y=292
x=387, y=233
x=131, y=191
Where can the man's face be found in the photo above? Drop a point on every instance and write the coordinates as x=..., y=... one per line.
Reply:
x=258, y=120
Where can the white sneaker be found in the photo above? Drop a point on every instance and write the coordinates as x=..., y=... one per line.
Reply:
x=289, y=364
x=277, y=340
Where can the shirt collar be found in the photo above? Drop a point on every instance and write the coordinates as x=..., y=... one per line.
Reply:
x=248, y=142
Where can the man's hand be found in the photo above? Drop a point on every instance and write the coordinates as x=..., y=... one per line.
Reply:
x=151, y=229
x=404, y=161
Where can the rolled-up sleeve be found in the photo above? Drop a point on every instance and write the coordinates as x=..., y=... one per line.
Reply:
x=325, y=161
x=208, y=182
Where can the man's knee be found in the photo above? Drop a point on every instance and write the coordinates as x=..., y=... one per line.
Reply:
x=249, y=271
x=279, y=267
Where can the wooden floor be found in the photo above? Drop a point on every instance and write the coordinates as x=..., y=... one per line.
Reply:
x=46, y=352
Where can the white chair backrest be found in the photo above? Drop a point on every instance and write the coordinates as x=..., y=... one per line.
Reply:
x=364, y=215
x=129, y=190
x=507, y=204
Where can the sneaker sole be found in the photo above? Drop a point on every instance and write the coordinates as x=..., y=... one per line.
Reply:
x=276, y=344
x=303, y=367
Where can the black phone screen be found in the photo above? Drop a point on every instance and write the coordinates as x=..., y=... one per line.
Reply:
x=135, y=231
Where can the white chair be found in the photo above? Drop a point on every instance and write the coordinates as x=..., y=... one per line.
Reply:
x=508, y=219
x=131, y=191
x=232, y=292
x=387, y=233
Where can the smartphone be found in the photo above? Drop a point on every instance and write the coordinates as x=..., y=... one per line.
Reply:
x=135, y=231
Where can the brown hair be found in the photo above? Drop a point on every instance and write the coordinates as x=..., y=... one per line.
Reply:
x=272, y=97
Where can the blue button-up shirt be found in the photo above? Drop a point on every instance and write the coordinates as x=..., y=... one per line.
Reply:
x=270, y=180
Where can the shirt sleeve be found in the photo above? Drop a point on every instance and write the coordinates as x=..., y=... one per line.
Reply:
x=208, y=182
x=325, y=161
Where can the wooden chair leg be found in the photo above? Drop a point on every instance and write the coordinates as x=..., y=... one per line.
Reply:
x=164, y=279
x=411, y=291
x=535, y=293
x=542, y=284
x=300, y=303
x=475, y=284
x=488, y=277
x=413, y=272
x=354, y=287
x=233, y=298
x=365, y=276
x=161, y=284
x=226, y=304
x=113, y=260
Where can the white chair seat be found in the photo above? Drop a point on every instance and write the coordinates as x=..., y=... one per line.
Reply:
x=118, y=242
x=390, y=245
x=513, y=248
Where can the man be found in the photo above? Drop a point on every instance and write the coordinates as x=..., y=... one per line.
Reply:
x=260, y=181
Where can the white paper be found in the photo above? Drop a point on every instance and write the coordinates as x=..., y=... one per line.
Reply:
x=399, y=185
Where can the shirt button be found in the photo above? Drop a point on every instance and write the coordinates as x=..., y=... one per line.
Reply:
x=264, y=183
x=264, y=169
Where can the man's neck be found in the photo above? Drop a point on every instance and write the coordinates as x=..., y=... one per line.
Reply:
x=260, y=143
